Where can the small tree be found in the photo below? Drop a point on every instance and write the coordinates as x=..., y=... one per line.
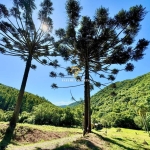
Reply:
x=142, y=110
x=99, y=45
x=20, y=37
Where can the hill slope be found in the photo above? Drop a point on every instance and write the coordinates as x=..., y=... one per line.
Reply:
x=8, y=97
x=131, y=95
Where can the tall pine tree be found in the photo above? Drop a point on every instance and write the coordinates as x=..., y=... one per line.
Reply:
x=100, y=45
x=21, y=37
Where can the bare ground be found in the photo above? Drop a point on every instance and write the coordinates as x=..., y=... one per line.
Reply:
x=27, y=135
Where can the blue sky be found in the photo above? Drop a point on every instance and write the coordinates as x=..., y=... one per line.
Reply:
x=12, y=68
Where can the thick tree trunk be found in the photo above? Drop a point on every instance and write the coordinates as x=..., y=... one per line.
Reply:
x=15, y=115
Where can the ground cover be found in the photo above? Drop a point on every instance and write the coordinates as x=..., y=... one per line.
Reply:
x=36, y=137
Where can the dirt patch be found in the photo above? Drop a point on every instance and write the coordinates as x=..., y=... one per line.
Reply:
x=92, y=141
x=88, y=142
x=24, y=134
x=34, y=135
x=47, y=145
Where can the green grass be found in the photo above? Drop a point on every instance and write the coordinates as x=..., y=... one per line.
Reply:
x=51, y=128
x=46, y=127
x=126, y=139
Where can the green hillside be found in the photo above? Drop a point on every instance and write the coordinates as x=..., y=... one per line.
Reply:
x=127, y=106
x=8, y=97
x=120, y=106
x=36, y=110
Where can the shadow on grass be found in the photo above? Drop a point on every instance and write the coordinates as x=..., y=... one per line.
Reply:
x=7, y=138
x=76, y=145
x=119, y=139
x=113, y=141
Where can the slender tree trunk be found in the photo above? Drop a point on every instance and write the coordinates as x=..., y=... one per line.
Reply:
x=85, y=107
x=15, y=115
x=89, y=108
x=86, y=97
x=9, y=131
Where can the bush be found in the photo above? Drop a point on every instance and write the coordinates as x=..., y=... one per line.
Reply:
x=125, y=122
x=8, y=115
x=24, y=116
x=138, y=122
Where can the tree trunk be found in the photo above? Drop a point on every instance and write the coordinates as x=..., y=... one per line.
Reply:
x=85, y=107
x=86, y=99
x=15, y=115
x=89, y=109
x=9, y=131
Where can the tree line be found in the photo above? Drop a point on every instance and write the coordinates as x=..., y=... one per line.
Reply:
x=46, y=114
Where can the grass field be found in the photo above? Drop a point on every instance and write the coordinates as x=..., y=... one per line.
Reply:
x=110, y=139
x=35, y=137
x=125, y=139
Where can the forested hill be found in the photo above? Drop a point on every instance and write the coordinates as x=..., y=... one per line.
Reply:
x=8, y=97
x=118, y=107
x=131, y=95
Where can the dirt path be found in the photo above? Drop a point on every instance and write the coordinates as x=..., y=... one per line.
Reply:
x=48, y=145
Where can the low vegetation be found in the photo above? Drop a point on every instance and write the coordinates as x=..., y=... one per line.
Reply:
x=43, y=137
x=26, y=134
x=125, y=138
x=111, y=139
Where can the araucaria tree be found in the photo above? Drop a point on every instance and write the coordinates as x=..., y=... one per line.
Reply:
x=100, y=45
x=21, y=37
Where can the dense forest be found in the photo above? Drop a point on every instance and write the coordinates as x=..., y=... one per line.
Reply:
x=36, y=109
x=8, y=96
x=123, y=104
